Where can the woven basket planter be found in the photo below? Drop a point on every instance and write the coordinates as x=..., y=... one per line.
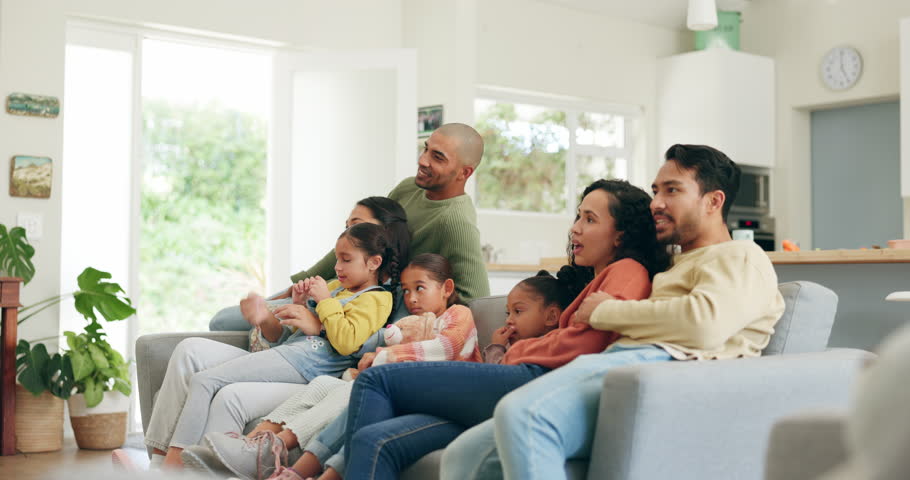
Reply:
x=39, y=422
x=102, y=427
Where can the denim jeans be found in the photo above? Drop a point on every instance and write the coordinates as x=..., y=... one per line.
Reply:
x=328, y=445
x=542, y=424
x=402, y=411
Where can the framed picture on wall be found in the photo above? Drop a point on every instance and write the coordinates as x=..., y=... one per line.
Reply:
x=30, y=176
x=428, y=119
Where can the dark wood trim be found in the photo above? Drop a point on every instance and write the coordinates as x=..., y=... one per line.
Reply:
x=9, y=313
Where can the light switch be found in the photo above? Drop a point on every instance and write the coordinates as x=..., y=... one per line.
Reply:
x=32, y=223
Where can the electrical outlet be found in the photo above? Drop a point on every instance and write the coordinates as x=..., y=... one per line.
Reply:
x=33, y=225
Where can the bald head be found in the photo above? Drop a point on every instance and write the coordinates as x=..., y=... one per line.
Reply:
x=469, y=143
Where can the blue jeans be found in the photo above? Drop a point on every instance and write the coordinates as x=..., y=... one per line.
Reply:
x=542, y=424
x=400, y=412
x=328, y=445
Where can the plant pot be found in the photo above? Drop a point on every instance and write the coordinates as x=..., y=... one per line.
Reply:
x=39, y=422
x=102, y=427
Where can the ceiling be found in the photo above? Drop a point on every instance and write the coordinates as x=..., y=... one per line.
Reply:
x=662, y=13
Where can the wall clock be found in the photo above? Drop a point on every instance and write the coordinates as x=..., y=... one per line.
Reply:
x=841, y=68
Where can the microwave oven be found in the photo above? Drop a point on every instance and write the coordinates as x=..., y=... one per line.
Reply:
x=753, y=195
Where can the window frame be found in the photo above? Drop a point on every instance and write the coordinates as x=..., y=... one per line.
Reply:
x=572, y=106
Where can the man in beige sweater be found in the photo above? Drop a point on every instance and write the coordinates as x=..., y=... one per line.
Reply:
x=718, y=300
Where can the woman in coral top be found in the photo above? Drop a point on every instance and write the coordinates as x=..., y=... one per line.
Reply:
x=400, y=412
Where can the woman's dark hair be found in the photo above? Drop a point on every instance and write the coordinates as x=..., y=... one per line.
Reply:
x=630, y=208
x=553, y=291
x=439, y=269
x=392, y=216
x=713, y=170
x=374, y=240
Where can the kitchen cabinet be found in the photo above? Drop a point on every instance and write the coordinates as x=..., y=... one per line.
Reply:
x=718, y=97
x=905, y=108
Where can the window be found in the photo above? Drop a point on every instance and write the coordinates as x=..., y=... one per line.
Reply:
x=539, y=155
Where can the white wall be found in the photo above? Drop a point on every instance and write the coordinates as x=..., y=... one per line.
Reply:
x=31, y=61
x=803, y=31
x=444, y=34
x=556, y=50
x=32, y=40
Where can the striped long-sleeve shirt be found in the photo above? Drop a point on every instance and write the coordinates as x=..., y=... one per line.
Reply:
x=454, y=337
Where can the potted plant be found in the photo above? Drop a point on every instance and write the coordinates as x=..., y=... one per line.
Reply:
x=92, y=376
x=97, y=372
x=44, y=382
x=100, y=405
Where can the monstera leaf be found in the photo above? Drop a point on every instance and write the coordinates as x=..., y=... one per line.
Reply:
x=96, y=294
x=16, y=254
x=38, y=371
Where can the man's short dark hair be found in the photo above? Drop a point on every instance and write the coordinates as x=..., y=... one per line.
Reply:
x=713, y=170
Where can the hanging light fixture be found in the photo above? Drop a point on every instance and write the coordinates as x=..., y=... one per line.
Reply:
x=702, y=15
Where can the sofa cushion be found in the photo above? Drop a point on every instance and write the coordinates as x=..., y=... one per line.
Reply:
x=489, y=314
x=807, y=320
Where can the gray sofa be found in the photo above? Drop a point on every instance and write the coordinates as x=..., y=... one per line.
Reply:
x=698, y=420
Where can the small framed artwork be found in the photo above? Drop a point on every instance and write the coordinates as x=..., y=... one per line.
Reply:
x=30, y=176
x=428, y=119
x=32, y=105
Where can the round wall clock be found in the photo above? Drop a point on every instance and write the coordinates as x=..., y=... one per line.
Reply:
x=841, y=67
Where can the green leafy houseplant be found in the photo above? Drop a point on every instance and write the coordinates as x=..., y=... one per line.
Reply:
x=91, y=365
x=97, y=367
x=16, y=254
x=38, y=371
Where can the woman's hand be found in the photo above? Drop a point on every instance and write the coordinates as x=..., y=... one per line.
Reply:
x=318, y=289
x=501, y=335
x=583, y=314
x=299, y=316
x=366, y=361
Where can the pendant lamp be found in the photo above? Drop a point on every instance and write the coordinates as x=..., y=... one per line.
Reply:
x=702, y=15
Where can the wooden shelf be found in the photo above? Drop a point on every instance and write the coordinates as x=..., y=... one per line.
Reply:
x=9, y=309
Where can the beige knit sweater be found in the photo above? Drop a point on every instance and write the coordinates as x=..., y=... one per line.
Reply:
x=715, y=302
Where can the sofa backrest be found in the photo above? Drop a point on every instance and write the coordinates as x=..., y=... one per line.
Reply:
x=489, y=314
x=804, y=327
x=807, y=320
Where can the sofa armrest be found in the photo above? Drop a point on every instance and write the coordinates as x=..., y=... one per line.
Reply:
x=153, y=353
x=710, y=419
x=806, y=445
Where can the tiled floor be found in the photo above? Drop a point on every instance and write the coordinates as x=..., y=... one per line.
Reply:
x=70, y=463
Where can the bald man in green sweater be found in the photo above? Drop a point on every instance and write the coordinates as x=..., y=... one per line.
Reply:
x=441, y=217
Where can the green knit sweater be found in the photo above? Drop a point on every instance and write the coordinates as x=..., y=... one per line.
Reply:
x=447, y=227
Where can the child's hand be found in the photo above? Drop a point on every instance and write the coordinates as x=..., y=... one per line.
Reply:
x=298, y=293
x=501, y=335
x=366, y=361
x=318, y=289
x=300, y=317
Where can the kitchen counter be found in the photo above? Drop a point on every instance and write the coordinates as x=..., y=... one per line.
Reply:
x=808, y=257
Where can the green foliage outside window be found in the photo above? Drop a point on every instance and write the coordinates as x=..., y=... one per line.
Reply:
x=524, y=171
x=203, y=213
